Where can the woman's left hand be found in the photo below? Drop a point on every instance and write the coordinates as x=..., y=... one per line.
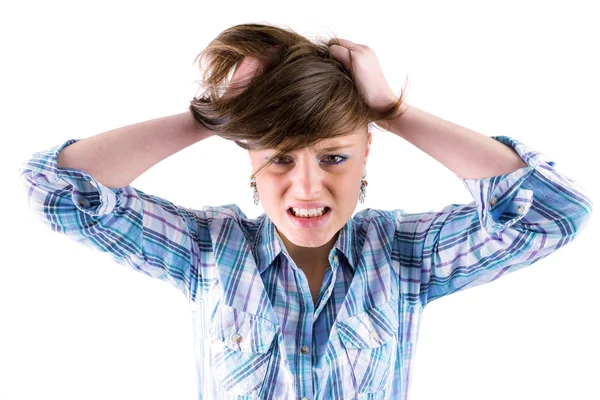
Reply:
x=365, y=71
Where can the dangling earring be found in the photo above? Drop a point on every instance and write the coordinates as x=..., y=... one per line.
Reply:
x=255, y=191
x=363, y=188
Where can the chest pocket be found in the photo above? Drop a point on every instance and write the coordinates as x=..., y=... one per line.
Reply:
x=370, y=341
x=241, y=350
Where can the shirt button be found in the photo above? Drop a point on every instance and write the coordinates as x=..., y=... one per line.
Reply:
x=237, y=338
x=304, y=349
x=305, y=398
x=83, y=202
x=335, y=258
x=520, y=209
x=375, y=336
x=493, y=201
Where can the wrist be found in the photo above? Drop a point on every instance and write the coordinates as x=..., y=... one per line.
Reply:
x=393, y=124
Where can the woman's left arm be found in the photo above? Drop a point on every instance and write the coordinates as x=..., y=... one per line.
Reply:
x=523, y=210
x=469, y=154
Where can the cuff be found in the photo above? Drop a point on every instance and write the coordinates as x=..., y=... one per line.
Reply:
x=88, y=195
x=500, y=200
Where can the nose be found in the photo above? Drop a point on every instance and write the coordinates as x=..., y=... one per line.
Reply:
x=307, y=177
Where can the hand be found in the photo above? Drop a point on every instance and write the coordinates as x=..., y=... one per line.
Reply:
x=365, y=71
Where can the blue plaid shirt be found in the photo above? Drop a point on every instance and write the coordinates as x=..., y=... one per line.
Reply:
x=258, y=334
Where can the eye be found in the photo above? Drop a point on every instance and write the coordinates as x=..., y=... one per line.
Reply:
x=334, y=159
x=340, y=159
x=278, y=161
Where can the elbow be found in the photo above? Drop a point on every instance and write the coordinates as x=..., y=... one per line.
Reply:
x=578, y=216
x=583, y=215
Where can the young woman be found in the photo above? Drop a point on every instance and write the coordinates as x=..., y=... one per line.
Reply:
x=307, y=301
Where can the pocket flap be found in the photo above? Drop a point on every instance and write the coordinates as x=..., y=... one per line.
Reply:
x=242, y=331
x=372, y=328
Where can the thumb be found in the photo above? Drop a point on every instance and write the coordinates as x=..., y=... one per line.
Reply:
x=342, y=54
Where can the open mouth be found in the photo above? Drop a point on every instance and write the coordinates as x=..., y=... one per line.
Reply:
x=325, y=211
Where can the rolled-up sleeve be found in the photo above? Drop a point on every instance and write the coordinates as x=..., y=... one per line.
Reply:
x=144, y=232
x=515, y=220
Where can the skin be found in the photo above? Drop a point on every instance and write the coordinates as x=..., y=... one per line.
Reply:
x=310, y=175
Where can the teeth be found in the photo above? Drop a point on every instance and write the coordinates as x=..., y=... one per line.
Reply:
x=307, y=213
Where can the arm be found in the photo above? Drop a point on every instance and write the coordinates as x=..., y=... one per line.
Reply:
x=467, y=153
x=117, y=157
x=65, y=187
x=523, y=210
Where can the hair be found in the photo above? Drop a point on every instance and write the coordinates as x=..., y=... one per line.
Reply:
x=301, y=96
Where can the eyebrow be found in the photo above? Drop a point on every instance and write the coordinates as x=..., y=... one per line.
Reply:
x=332, y=148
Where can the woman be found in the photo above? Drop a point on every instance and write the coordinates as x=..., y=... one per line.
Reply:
x=307, y=300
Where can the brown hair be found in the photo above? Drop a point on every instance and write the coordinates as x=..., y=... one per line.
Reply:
x=301, y=96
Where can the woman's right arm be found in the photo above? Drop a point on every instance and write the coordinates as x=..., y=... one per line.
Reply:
x=117, y=157
x=81, y=188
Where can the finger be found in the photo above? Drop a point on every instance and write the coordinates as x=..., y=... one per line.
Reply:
x=342, y=54
x=343, y=42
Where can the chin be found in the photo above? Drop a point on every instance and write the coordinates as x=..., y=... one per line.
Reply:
x=309, y=243
x=309, y=238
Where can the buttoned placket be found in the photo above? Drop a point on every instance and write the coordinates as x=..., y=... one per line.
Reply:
x=328, y=291
x=306, y=352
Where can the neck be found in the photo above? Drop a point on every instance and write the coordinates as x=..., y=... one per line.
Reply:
x=312, y=260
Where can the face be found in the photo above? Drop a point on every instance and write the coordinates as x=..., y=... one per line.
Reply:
x=318, y=174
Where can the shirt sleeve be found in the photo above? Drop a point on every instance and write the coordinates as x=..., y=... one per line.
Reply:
x=515, y=220
x=144, y=232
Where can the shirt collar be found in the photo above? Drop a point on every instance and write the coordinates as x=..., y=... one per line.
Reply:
x=269, y=243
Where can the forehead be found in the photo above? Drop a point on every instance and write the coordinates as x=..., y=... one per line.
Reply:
x=331, y=144
x=351, y=138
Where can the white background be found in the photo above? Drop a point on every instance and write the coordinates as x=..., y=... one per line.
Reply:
x=75, y=325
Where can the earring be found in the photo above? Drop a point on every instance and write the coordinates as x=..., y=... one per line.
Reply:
x=254, y=190
x=363, y=188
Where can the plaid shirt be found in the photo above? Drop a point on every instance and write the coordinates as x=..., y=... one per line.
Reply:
x=258, y=334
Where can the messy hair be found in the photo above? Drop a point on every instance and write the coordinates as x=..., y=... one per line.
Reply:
x=302, y=95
